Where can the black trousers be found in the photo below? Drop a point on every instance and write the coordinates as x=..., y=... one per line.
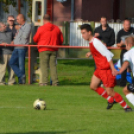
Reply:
x=123, y=80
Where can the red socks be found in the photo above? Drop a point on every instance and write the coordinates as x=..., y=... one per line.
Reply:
x=103, y=93
x=120, y=100
x=117, y=97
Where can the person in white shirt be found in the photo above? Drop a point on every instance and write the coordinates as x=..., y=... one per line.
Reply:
x=129, y=60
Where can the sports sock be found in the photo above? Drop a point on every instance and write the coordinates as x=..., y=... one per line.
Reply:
x=130, y=98
x=120, y=100
x=104, y=94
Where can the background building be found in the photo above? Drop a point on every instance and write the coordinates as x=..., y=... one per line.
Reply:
x=90, y=10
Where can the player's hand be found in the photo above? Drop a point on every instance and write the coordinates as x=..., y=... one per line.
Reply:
x=88, y=54
x=115, y=72
x=96, y=35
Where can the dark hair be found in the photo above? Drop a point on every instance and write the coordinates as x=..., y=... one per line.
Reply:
x=87, y=27
x=46, y=17
x=127, y=19
x=104, y=17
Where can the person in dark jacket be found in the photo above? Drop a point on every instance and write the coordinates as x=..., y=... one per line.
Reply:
x=121, y=36
x=11, y=27
x=48, y=34
x=105, y=33
x=5, y=55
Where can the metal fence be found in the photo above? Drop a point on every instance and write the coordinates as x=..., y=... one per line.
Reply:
x=76, y=37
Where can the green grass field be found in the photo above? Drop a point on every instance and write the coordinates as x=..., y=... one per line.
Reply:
x=72, y=108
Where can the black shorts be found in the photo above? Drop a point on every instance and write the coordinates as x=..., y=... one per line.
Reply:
x=130, y=87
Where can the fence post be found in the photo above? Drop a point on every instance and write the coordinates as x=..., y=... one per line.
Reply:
x=29, y=64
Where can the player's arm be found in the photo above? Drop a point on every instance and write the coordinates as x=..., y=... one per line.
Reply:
x=114, y=71
x=100, y=47
x=124, y=67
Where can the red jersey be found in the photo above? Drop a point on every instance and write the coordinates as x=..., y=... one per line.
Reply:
x=48, y=34
x=101, y=54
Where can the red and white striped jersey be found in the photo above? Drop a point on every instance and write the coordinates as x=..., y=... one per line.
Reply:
x=101, y=54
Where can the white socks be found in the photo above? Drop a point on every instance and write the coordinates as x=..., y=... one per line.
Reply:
x=130, y=98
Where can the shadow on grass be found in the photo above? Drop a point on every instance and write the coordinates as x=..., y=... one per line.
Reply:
x=55, y=132
x=40, y=133
x=68, y=82
x=79, y=62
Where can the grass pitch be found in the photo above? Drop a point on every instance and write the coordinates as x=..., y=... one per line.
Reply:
x=72, y=108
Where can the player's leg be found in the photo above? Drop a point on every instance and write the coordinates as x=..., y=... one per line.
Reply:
x=95, y=85
x=128, y=91
x=109, y=81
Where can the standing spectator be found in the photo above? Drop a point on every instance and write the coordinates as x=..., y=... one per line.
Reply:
x=11, y=25
x=5, y=55
x=17, y=61
x=105, y=33
x=48, y=34
x=121, y=36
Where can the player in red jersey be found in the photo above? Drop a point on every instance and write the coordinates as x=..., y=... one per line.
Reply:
x=105, y=70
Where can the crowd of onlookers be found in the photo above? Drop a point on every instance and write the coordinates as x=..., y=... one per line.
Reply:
x=12, y=58
x=106, y=34
x=17, y=32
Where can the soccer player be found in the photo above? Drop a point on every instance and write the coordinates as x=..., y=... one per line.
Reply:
x=105, y=71
x=129, y=60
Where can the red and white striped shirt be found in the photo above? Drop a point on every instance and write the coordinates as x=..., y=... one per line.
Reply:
x=101, y=54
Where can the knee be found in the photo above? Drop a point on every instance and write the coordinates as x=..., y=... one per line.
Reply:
x=92, y=87
x=110, y=92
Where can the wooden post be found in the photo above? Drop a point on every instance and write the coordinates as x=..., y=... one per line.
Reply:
x=19, y=6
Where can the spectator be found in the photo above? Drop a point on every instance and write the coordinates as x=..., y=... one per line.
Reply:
x=122, y=34
x=48, y=34
x=5, y=55
x=11, y=25
x=17, y=61
x=105, y=33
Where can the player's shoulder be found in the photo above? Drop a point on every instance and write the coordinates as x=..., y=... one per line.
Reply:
x=97, y=41
x=130, y=52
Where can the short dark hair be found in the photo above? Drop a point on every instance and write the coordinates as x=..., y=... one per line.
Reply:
x=46, y=17
x=127, y=19
x=104, y=17
x=87, y=27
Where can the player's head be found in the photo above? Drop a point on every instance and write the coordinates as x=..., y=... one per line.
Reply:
x=103, y=21
x=126, y=24
x=46, y=18
x=86, y=31
x=129, y=42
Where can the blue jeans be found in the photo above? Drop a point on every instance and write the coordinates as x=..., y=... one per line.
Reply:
x=17, y=62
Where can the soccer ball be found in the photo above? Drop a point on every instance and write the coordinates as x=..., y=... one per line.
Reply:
x=39, y=104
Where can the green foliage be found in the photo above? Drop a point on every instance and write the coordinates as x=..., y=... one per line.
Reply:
x=7, y=3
